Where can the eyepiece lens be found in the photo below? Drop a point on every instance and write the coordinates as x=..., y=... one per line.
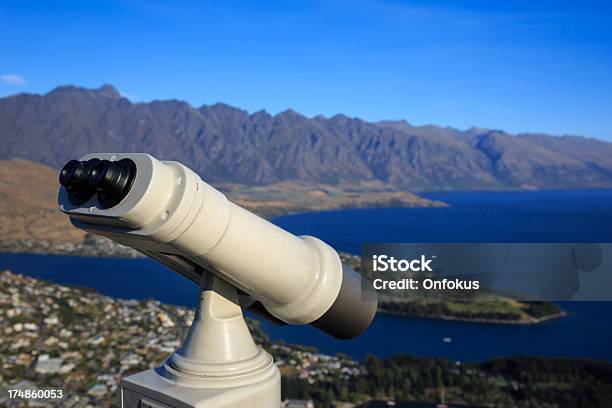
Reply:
x=74, y=176
x=98, y=173
x=113, y=181
x=68, y=171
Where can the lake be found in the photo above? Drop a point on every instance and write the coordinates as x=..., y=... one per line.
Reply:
x=549, y=216
x=543, y=216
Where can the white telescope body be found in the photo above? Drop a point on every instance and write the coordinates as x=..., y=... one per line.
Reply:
x=167, y=212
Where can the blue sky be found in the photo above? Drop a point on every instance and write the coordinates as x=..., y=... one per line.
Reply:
x=514, y=65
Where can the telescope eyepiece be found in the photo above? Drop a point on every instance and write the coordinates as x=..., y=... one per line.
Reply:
x=112, y=180
x=74, y=177
x=98, y=173
x=68, y=172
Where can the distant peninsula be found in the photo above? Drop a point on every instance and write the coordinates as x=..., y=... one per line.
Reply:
x=487, y=307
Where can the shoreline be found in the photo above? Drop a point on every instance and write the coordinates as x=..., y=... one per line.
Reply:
x=117, y=252
x=479, y=320
x=93, y=247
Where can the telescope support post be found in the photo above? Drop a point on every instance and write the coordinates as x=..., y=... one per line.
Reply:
x=217, y=366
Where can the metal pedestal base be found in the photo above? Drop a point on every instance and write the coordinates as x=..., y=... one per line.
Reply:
x=217, y=366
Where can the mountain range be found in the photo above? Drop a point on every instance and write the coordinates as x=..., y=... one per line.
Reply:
x=229, y=145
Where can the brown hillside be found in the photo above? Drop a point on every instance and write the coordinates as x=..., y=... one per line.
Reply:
x=28, y=204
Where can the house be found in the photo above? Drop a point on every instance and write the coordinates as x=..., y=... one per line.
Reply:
x=297, y=404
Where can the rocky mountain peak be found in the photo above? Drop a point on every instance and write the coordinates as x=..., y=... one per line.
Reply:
x=226, y=144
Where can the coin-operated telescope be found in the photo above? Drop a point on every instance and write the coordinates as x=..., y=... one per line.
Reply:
x=239, y=260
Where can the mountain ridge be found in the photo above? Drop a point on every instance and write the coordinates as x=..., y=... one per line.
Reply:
x=227, y=144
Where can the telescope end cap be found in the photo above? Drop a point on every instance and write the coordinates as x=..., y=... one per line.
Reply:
x=353, y=310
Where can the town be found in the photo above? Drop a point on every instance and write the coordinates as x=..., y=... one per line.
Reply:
x=56, y=337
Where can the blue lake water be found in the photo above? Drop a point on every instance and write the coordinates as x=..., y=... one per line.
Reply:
x=543, y=216
x=551, y=216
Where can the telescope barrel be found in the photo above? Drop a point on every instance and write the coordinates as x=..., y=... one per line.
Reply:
x=165, y=208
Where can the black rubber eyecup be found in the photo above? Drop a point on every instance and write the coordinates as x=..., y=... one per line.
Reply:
x=73, y=177
x=112, y=180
